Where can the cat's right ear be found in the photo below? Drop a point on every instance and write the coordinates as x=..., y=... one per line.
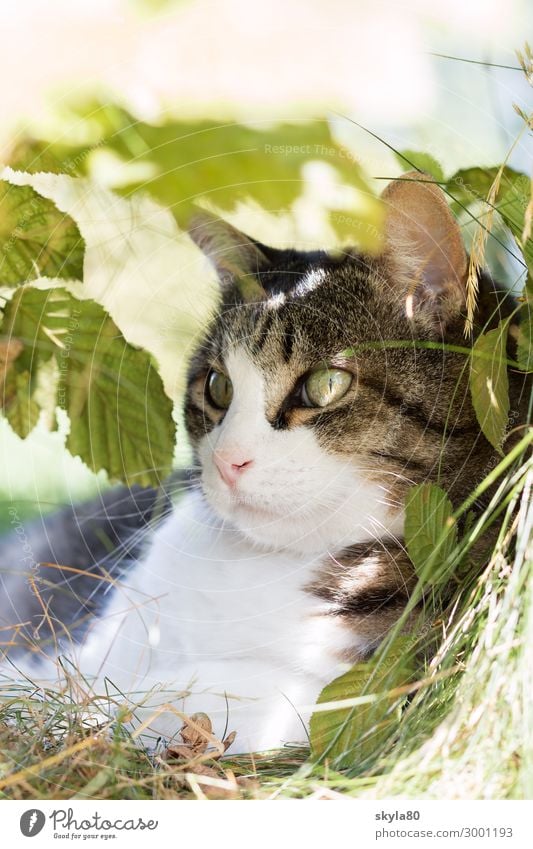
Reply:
x=424, y=249
x=236, y=257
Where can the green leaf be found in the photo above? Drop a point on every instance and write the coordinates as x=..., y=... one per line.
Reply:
x=489, y=383
x=120, y=417
x=16, y=399
x=10, y=349
x=38, y=320
x=21, y=409
x=179, y=163
x=430, y=532
x=351, y=735
x=423, y=161
x=474, y=184
x=36, y=239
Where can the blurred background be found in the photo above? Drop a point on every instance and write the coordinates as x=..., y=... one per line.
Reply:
x=438, y=77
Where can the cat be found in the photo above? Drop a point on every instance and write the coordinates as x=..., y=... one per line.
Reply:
x=283, y=563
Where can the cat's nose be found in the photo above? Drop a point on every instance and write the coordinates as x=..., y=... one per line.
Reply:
x=230, y=466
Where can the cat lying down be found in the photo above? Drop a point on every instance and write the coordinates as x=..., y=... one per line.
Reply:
x=282, y=562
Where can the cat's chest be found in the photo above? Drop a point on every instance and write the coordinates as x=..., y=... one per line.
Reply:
x=211, y=582
x=203, y=594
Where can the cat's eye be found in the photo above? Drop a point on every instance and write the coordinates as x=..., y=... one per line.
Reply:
x=220, y=390
x=325, y=386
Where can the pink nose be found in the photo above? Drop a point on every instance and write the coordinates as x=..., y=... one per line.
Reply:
x=230, y=466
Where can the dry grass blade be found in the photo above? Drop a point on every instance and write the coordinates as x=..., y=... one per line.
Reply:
x=477, y=253
x=525, y=57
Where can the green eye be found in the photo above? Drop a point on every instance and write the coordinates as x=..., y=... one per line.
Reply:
x=325, y=386
x=220, y=390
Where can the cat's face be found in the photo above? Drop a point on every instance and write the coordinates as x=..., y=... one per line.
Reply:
x=281, y=422
x=301, y=442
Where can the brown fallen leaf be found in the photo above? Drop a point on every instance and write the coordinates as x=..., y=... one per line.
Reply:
x=228, y=741
x=197, y=735
x=196, y=732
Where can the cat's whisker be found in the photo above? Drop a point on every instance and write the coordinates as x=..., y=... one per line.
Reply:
x=388, y=535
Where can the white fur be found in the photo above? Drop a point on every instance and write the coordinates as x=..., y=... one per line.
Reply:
x=218, y=609
x=230, y=620
x=311, y=281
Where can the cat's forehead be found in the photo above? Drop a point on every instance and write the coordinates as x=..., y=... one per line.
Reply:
x=308, y=316
x=297, y=287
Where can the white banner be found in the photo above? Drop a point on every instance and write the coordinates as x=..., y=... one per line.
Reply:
x=353, y=823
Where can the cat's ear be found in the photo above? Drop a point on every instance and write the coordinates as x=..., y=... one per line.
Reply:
x=424, y=248
x=235, y=256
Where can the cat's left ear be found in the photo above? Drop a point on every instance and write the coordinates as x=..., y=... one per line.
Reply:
x=424, y=248
x=236, y=257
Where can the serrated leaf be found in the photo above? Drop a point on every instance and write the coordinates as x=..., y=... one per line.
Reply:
x=430, y=532
x=349, y=736
x=10, y=349
x=35, y=156
x=489, y=383
x=36, y=239
x=180, y=162
x=120, y=417
x=424, y=161
x=16, y=400
x=20, y=408
x=38, y=320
